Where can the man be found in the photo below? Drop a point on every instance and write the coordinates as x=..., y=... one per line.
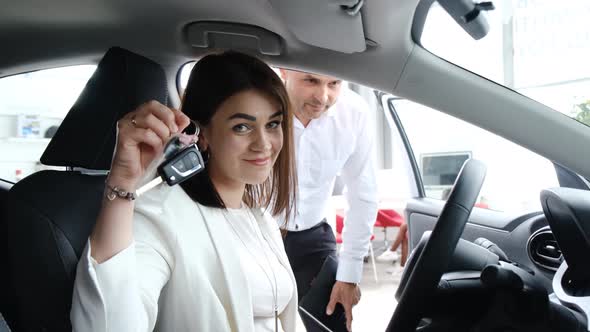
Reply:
x=332, y=137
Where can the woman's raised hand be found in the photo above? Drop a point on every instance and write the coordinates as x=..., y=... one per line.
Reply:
x=142, y=135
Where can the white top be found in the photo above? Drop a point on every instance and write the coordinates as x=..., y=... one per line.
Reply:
x=183, y=272
x=255, y=256
x=340, y=142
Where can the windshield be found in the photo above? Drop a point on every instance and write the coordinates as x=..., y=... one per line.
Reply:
x=539, y=48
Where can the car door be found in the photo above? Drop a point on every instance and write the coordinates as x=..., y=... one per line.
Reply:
x=432, y=147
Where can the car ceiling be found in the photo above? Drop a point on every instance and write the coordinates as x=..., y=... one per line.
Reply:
x=37, y=34
x=42, y=34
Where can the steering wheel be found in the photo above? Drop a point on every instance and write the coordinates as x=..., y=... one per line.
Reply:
x=425, y=269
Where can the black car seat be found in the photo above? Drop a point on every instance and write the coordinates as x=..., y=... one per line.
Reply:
x=5, y=292
x=49, y=215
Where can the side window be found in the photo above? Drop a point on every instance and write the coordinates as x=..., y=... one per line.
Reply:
x=32, y=106
x=441, y=143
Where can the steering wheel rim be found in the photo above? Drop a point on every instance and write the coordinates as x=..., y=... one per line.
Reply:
x=432, y=262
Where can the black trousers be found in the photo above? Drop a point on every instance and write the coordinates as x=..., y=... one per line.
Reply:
x=307, y=251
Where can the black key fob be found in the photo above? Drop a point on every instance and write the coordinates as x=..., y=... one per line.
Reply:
x=182, y=165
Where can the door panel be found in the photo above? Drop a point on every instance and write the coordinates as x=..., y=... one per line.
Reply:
x=510, y=233
x=512, y=217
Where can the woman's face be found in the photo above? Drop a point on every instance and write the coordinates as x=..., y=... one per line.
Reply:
x=244, y=138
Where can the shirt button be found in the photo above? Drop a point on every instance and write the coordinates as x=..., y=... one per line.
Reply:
x=296, y=227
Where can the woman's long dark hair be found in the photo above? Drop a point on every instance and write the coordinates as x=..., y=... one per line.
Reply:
x=213, y=80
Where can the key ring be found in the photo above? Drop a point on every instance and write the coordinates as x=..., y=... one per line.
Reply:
x=176, y=143
x=196, y=129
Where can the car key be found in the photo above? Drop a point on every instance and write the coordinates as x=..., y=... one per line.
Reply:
x=179, y=163
x=182, y=166
x=178, y=168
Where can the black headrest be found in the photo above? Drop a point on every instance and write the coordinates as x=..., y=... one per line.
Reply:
x=122, y=81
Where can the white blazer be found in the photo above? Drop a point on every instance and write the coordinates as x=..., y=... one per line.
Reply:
x=180, y=274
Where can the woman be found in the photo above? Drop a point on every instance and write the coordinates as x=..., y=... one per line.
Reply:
x=205, y=255
x=391, y=255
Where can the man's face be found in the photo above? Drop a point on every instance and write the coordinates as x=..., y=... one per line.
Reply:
x=311, y=95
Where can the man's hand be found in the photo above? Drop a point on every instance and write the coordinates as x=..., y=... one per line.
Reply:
x=348, y=295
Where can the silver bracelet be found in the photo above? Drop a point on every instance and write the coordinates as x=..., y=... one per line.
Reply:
x=114, y=192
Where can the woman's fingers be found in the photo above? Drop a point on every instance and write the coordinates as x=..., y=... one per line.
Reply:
x=150, y=121
x=147, y=146
x=136, y=149
x=164, y=114
x=141, y=135
x=173, y=119
x=181, y=119
x=144, y=132
x=155, y=116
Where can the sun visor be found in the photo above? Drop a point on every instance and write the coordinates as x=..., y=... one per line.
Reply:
x=332, y=24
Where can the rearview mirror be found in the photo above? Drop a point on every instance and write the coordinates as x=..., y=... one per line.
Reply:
x=468, y=15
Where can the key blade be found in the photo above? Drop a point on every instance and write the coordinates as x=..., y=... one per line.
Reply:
x=142, y=190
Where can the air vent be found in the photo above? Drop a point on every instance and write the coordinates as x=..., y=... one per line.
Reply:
x=543, y=249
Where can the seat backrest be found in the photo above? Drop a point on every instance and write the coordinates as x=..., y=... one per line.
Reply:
x=50, y=214
x=6, y=296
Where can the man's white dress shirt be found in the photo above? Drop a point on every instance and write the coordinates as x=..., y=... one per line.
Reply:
x=340, y=142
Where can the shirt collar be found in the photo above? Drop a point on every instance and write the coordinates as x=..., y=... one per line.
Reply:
x=329, y=113
x=297, y=123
